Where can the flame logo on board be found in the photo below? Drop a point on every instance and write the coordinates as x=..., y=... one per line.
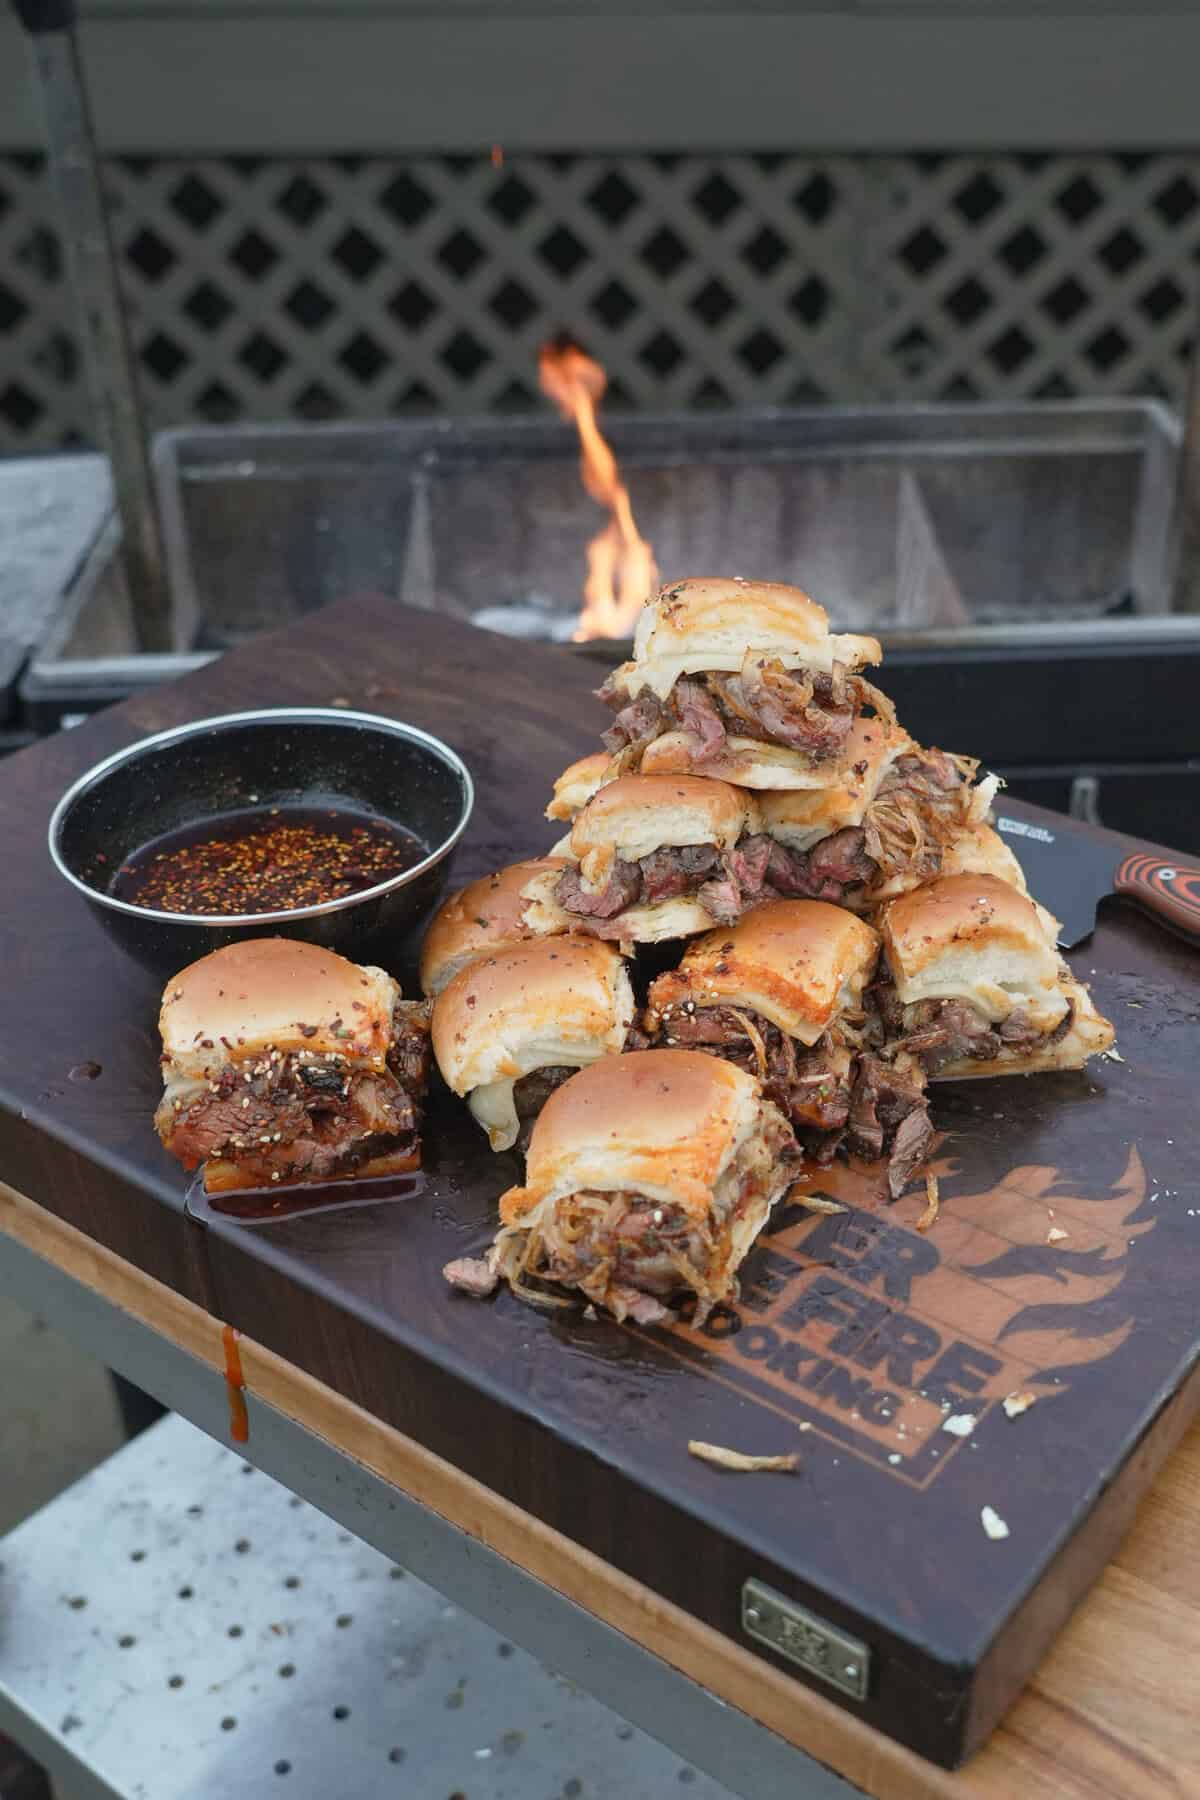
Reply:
x=874, y=1332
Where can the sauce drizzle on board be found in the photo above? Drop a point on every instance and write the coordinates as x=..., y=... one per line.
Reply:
x=235, y=1382
x=266, y=859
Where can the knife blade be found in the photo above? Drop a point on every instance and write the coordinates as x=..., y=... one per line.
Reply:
x=1070, y=871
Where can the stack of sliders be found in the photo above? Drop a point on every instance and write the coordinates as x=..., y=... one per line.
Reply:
x=849, y=928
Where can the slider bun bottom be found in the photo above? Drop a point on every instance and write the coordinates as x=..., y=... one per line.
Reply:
x=224, y=1177
x=1090, y=1035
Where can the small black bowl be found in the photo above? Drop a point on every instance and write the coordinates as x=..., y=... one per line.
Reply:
x=319, y=757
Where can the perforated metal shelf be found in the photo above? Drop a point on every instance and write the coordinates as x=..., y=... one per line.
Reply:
x=178, y=1626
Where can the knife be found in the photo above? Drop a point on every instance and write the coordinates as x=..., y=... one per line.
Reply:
x=1070, y=871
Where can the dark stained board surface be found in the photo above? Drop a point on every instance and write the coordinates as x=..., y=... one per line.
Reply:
x=853, y=1329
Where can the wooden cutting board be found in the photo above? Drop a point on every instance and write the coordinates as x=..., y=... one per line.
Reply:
x=1063, y=1263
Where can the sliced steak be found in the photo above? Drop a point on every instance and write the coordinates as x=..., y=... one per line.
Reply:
x=721, y=900
x=623, y=889
x=692, y=705
x=532, y=1091
x=910, y=1147
x=473, y=1275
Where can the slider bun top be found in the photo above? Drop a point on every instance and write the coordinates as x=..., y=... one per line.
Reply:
x=547, y=1002
x=664, y=1123
x=976, y=937
x=577, y=783
x=273, y=993
x=977, y=850
x=798, y=963
x=800, y=818
x=491, y=914
x=637, y=814
x=715, y=622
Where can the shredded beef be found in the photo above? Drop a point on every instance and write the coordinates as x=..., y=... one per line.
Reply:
x=910, y=1147
x=473, y=1274
x=408, y=1055
x=886, y=1110
x=639, y=722
x=802, y=709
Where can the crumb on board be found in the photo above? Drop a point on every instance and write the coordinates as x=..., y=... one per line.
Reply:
x=1056, y=1234
x=932, y=1202
x=960, y=1424
x=1112, y=1055
x=722, y=1458
x=993, y=1524
x=817, y=1203
x=1016, y=1404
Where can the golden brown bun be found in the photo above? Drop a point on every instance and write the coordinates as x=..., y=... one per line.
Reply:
x=799, y=963
x=743, y=761
x=799, y=819
x=975, y=937
x=1089, y=1035
x=664, y=1123
x=637, y=814
x=713, y=622
x=491, y=914
x=546, y=1003
x=273, y=993
x=977, y=850
x=577, y=783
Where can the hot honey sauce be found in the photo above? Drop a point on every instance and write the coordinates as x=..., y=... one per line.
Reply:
x=265, y=860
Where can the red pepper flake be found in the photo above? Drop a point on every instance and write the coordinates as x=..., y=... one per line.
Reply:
x=275, y=862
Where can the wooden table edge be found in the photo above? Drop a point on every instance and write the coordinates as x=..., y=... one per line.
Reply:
x=742, y=1680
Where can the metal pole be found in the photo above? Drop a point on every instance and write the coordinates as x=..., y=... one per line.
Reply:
x=51, y=25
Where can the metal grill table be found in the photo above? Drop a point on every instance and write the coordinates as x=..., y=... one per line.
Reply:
x=179, y=1625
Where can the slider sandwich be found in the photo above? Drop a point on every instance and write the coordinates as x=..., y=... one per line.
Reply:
x=577, y=783
x=974, y=985
x=283, y=1063
x=783, y=996
x=654, y=857
x=493, y=913
x=740, y=680
x=648, y=1176
x=883, y=824
x=509, y=1028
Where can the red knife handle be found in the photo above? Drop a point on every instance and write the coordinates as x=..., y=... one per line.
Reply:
x=1169, y=890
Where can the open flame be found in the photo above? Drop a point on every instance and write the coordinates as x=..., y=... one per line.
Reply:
x=621, y=570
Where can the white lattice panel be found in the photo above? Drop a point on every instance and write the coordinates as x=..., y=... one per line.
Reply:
x=365, y=287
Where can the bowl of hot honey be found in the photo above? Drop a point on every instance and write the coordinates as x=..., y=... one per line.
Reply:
x=311, y=822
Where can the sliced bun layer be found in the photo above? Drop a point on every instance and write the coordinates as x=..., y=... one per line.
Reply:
x=798, y=963
x=665, y=1123
x=491, y=914
x=712, y=622
x=273, y=993
x=746, y=762
x=799, y=819
x=547, y=1003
